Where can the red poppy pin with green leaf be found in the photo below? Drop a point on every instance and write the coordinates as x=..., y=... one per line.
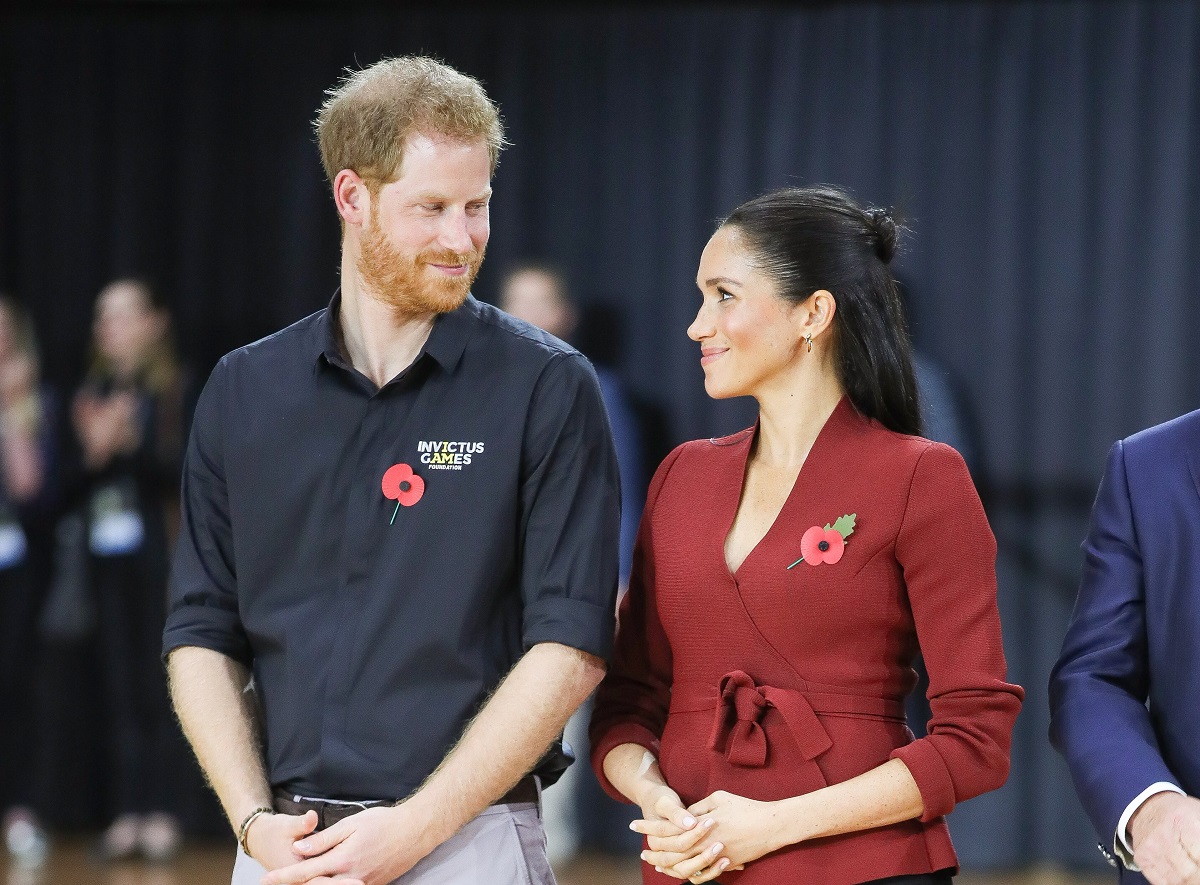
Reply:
x=819, y=545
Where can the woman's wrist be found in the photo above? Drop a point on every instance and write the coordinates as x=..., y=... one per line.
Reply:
x=645, y=789
x=633, y=770
x=795, y=821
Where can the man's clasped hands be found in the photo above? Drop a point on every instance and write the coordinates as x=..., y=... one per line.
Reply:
x=360, y=850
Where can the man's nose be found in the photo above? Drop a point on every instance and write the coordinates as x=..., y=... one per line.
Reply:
x=455, y=234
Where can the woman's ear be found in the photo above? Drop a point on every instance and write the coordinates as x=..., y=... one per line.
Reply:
x=818, y=312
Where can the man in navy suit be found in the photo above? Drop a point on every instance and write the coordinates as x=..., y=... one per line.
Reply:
x=1125, y=693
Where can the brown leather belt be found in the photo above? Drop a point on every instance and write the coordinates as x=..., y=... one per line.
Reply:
x=331, y=812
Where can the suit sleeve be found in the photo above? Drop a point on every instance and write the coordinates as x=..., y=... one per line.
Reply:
x=1098, y=687
x=635, y=696
x=948, y=555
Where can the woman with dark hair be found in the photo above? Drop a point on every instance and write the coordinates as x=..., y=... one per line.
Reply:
x=28, y=490
x=786, y=577
x=129, y=420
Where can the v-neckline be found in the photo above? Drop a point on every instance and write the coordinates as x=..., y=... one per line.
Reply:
x=747, y=447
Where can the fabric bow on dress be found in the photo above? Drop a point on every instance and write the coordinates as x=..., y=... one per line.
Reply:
x=737, y=729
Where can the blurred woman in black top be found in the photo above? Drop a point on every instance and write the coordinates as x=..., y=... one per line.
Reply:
x=129, y=421
x=28, y=483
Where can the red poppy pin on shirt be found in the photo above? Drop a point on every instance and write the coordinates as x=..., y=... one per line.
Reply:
x=403, y=486
x=827, y=544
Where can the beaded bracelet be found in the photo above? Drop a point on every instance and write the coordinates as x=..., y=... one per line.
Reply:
x=244, y=829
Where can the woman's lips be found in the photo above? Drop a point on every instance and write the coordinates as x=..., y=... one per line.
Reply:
x=710, y=354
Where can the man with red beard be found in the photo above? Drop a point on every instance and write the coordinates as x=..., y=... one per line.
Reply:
x=400, y=530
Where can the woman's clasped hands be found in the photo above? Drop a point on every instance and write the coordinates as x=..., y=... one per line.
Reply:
x=721, y=832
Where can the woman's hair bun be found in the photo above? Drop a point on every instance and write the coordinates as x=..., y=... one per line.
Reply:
x=885, y=231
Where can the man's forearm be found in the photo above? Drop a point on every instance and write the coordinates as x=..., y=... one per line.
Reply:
x=219, y=718
x=509, y=735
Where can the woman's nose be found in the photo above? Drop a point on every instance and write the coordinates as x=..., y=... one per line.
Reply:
x=701, y=327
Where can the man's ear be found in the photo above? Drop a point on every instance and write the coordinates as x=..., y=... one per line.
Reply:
x=352, y=197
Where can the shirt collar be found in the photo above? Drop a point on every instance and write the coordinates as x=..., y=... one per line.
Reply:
x=445, y=345
x=450, y=334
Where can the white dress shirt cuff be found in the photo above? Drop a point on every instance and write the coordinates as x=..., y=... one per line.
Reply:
x=1121, y=846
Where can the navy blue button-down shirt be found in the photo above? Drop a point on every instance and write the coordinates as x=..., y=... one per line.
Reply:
x=381, y=558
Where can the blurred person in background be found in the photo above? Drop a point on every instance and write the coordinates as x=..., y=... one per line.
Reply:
x=946, y=414
x=28, y=475
x=786, y=577
x=129, y=420
x=538, y=293
x=577, y=813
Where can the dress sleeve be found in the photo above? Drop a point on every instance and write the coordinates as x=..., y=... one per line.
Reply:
x=948, y=556
x=633, y=700
x=203, y=606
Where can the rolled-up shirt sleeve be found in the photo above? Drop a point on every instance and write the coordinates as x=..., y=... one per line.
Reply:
x=570, y=512
x=948, y=555
x=203, y=602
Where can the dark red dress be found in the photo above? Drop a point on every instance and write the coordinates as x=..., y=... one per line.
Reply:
x=774, y=682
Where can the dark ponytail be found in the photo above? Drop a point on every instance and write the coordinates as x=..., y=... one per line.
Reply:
x=818, y=237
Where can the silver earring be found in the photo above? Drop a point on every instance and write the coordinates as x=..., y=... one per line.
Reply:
x=808, y=338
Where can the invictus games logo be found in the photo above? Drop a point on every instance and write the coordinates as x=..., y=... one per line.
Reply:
x=448, y=454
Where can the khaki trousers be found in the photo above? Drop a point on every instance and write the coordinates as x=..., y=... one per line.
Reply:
x=504, y=845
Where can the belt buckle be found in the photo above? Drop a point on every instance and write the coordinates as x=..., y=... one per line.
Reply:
x=336, y=803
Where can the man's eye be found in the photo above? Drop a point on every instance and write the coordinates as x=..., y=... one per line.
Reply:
x=432, y=207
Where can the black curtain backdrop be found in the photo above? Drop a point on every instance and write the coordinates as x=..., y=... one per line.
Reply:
x=1045, y=154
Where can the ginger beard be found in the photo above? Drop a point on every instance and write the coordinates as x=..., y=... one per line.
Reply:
x=404, y=282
